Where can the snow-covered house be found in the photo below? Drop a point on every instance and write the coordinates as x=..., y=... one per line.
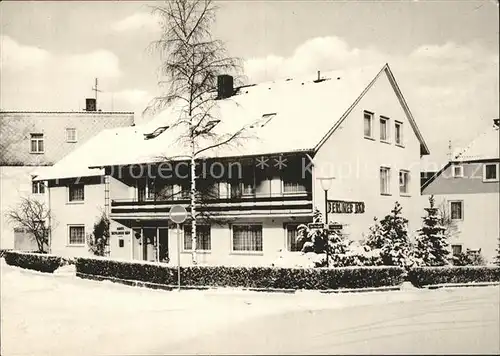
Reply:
x=31, y=141
x=354, y=125
x=467, y=190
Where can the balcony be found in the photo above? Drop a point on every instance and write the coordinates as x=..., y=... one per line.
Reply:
x=282, y=205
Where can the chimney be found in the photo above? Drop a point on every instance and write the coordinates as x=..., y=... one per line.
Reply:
x=90, y=104
x=224, y=86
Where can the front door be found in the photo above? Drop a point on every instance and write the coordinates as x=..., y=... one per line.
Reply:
x=163, y=245
x=148, y=246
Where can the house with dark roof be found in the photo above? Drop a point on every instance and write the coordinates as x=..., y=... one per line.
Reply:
x=31, y=141
x=351, y=126
x=467, y=189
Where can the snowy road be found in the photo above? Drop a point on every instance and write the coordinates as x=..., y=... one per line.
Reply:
x=63, y=315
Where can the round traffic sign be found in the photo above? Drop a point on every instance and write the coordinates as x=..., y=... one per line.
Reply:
x=178, y=214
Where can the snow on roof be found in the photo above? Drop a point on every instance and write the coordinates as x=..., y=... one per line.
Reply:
x=304, y=111
x=485, y=146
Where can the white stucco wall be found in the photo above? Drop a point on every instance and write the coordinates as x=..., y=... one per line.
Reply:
x=355, y=162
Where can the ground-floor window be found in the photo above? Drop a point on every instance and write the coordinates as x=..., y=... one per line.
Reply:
x=203, y=238
x=247, y=238
x=76, y=235
x=456, y=250
x=291, y=238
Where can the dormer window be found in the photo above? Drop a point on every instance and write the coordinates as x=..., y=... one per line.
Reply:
x=263, y=121
x=155, y=133
x=457, y=171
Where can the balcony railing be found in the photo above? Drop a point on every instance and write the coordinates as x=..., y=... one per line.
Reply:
x=279, y=205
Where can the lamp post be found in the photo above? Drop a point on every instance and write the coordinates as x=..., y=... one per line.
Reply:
x=326, y=183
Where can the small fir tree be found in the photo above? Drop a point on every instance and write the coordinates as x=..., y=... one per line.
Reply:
x=431, y=248
x=497, y=258
x=396, y=244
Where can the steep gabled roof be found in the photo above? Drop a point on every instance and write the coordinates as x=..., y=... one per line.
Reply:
x=483, y=147
x=281, y=116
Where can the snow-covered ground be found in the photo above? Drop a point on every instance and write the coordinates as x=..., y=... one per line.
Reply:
x=63, y=315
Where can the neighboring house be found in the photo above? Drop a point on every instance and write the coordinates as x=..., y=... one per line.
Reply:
x=31, y=141
x=355, y=125
x=468, y=190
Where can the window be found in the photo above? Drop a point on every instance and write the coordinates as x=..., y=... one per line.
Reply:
x=38, y=188
x=404, y=182
x=456, y=250
x=490, y=172
x=456, y=208
x=368, y=124
x=77, y=235
x=76, y=193
x=385, y=178
x=37, y=145
x=458, y=171
x=291, y=238
x=384, y=129
x=247, y=238
x=398, y=133
x=71, y=135
x=203, y=241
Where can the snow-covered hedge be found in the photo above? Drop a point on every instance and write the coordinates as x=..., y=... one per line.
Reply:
x=245, y=277
x=422, y=276
x=36, y=261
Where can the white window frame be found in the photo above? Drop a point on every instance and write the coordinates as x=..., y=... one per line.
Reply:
x=461, y=171
x=407, y=179
x=247, y=252
x=68, y=241
x=69, y=194
x=40, y=138
x=401, y=134
x=461, y=248
x=184, y=249
x=371, y=115
x=461, y=210
x=388, y=170
x=387, y=130
x=37, y=187
x=68, y=136
x=496, y=174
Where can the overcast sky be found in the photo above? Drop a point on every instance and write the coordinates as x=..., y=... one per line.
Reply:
x=444, y=54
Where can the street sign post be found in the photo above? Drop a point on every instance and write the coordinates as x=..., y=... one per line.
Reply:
x=178, y=215
x=316, y=225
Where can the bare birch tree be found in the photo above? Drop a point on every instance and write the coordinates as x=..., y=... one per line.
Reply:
x=34, y=217
x=191, y=61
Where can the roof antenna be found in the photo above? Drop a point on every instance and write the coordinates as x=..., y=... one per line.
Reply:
x=96, y=90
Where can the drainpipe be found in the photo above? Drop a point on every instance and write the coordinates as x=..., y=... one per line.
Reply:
x=49, y=238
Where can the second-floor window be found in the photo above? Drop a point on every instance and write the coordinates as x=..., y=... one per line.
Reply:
x=71, y=135
x=490, y=172
x=76, y=193
x=457, y=210
x=457, y=171
x=368, y=124
x=404, y=182
x=203, y=238
x=37, y=188
x=37, y=143
x=385, y=180
x=384, y=129
x=398, y=133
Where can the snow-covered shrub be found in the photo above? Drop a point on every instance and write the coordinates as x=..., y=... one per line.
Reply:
x=422, y=276
x=431, y=247
x=35, y=261
x=469, y=258
x=98, y=240
x=244, y=277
